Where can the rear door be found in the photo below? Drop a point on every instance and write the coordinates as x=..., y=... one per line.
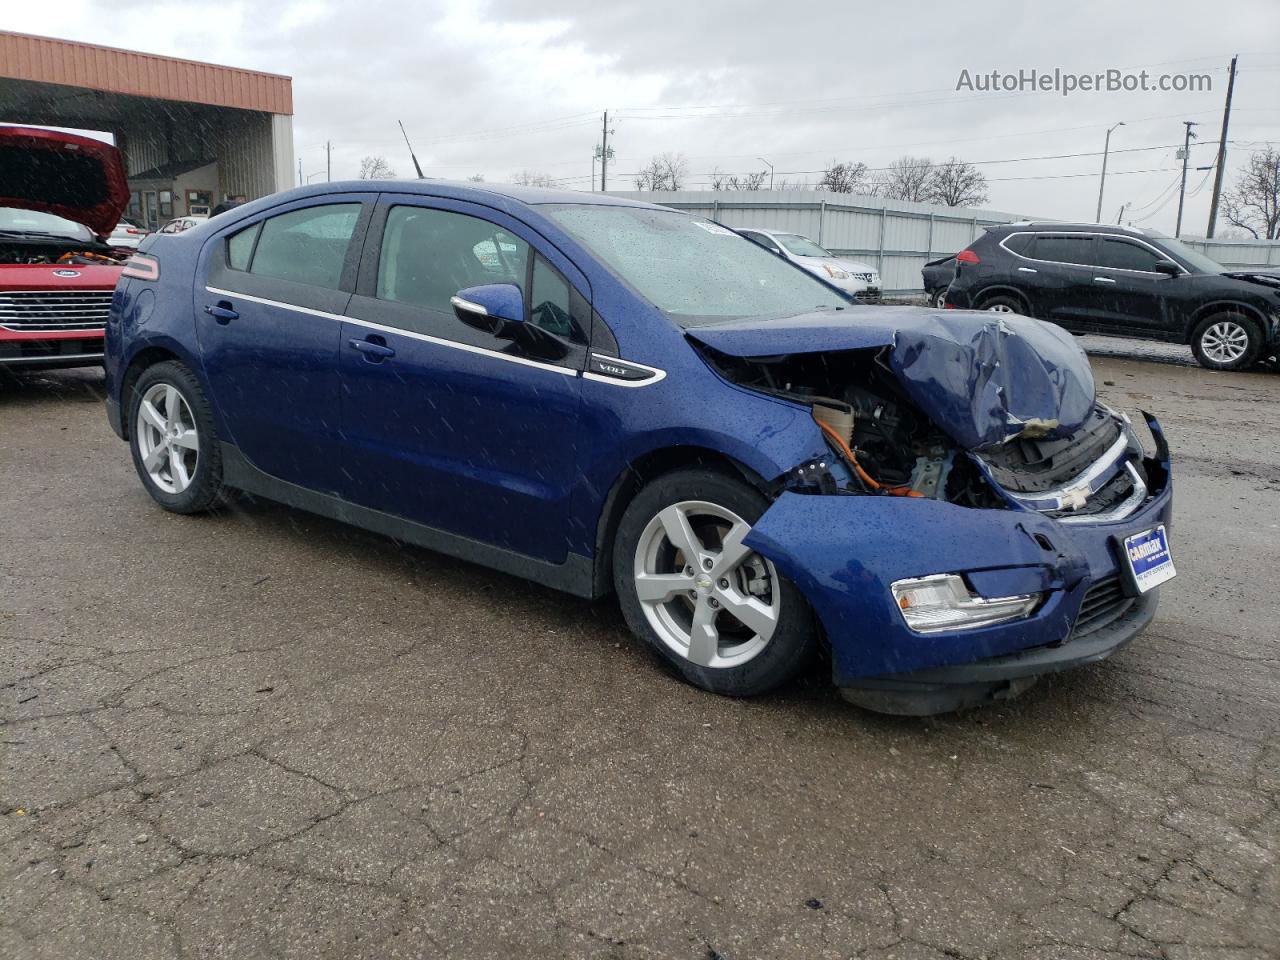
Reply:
x=1057, y=272
x=1131, y=293
x=447, y=425
x=268, y=318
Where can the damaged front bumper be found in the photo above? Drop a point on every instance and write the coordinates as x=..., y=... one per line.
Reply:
x=844, y=553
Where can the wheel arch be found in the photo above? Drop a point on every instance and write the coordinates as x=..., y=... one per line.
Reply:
x=148, y=354
x=1001, y=290
x=1223, y=306
x=641, y=471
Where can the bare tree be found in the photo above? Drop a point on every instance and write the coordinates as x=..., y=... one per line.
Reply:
x=376, y=168
x=1253, y=204
x=847, y=177
x=532, y=178
x=908, y=178
x=476, y=178
x=664, y=172
x=957, y=184
x=734, y=181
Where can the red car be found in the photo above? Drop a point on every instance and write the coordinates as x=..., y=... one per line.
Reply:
x=60, y=197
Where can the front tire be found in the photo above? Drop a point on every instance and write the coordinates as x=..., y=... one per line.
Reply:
x=1227, y=341
x=173, y=440
x=717, y=612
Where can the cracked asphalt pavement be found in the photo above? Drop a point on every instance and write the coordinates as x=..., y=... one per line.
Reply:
x=262, y=734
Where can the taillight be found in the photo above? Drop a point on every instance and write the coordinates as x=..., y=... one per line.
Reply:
x=141, y=267
x=967, y=256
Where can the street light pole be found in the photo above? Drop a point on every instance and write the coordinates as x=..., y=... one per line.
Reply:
x=1102, y=183
x=770, y=166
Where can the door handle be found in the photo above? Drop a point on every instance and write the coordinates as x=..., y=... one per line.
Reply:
x=221, y=311
x=1103, y=280
x=373, y=351
x=1028, y=270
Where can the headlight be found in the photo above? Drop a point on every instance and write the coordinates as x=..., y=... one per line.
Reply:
x=944, y=602
x=835, y=272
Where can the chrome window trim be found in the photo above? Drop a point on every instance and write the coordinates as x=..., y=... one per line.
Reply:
x=1092, y=266
x=399, y=331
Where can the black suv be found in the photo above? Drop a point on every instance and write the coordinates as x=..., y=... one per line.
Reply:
x=1092, y=278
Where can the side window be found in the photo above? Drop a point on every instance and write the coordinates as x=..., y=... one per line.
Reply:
x=306, y=246
x=1018, y=243
x=240, y=247
x=429, y=255
x=549, y=302
x=1121, y=254
x=1063, y=249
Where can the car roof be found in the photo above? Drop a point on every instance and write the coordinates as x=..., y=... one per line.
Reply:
x=772, y=233
x=470, y=190
x=1022, y=225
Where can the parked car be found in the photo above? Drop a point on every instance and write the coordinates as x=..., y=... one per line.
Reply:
x=60, y=195
x=609, y=396
x=1094, y=278
x=937, y=276
x=182, y=224
x=858, y=279
x=127, y=234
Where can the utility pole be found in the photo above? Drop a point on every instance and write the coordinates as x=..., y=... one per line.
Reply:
x=1222, y=152
x=1182, y=191
x=1106, y=148
x=603, y=153
x=1120, y=215
x=328, y=160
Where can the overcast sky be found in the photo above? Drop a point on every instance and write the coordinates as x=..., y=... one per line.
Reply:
x=502, y=86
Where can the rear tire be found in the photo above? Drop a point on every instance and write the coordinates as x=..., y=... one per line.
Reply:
x=683, y=583
x=939, y=299
x=1227, y=341
x=1004, y=304
x=173, y=441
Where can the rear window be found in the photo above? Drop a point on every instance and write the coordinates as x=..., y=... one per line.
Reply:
x=1018, y=242
x=1063, y=249
x=305, y=246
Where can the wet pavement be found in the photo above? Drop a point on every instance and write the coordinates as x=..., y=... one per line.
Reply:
x=264, y=734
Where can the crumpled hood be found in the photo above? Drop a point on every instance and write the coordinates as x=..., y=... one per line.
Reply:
x=983, y=378
x=70, y=176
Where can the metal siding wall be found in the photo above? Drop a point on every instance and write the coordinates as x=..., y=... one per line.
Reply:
x=1237, y=254
x=857, y=227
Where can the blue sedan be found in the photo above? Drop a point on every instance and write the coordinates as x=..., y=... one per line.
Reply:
x=613, y=397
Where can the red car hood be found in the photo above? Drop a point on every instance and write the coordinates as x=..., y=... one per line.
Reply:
x=64, y=174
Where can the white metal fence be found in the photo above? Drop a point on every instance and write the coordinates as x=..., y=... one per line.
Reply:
x=895, y=236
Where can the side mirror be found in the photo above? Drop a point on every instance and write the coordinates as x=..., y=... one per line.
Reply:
x=495, y=308
x=1168, y=268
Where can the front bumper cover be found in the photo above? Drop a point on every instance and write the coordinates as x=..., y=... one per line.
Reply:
x=843, y=552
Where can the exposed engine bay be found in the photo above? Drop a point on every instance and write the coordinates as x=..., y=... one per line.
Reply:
x=38, y=251
x=886, y=445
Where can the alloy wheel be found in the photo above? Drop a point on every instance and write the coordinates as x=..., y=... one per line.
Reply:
x=1225, y=342
x=1001, y=308
x=168, y=444
x=940, y=299
x=710, y=599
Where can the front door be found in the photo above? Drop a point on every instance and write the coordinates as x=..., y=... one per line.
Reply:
x=446, y=425
x=268, y=317
x=1131, y=291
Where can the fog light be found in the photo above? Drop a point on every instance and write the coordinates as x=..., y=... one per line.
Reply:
x=944, y=602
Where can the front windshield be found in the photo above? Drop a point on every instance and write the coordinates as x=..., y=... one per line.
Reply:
x=1193, y=258
x=16, y=220
x=692, y=269
x=801, y=246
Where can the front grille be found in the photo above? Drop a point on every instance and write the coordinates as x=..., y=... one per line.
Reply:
x=1104, y=603
x=36, y=310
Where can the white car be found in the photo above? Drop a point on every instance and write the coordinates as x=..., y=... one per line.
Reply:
x=853, y=277
x=181, y=224
x=127, y=234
